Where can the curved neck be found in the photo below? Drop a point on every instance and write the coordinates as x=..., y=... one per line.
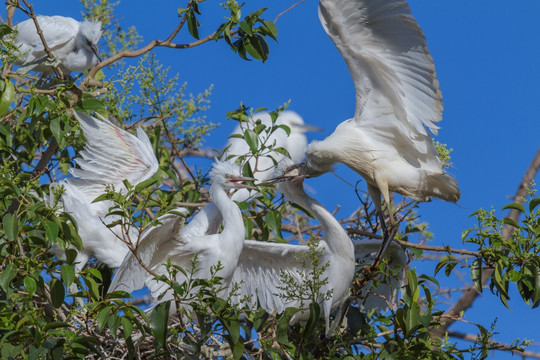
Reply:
x=233, y=233
x=335, y=236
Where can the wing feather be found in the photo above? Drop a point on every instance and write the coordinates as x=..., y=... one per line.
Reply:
x=155, y=244
x=386, y=53
x=259, y=270
x=112, y=154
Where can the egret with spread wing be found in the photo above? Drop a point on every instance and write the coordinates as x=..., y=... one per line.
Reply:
x=110, y=156
x=397, y=101
x=172, y=241
x=73, y=43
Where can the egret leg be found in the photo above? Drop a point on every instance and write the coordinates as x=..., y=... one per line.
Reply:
x=388, y=232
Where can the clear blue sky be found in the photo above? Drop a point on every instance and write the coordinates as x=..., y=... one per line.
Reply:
x=486, y=55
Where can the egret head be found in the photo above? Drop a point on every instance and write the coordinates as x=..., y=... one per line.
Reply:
x=228, y=175
x=89, y=35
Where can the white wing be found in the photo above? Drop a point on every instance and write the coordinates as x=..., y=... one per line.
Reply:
x=57, y=30
x=379, y=297
x=389, y=61
x=112, y=154
x=258, y=273
x=154, y=246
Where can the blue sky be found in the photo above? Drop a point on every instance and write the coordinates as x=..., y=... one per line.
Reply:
x=486, y=56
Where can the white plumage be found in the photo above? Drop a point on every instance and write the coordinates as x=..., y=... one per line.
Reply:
x=386, y=293
x=263, y=168
x=397, y=98
x=254, y=266
x=73, y=43
x=111, y=155
x=171, y=241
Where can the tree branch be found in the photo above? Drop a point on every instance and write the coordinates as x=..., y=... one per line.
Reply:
x=499, y=346
x=32, y=15
x=469, y=296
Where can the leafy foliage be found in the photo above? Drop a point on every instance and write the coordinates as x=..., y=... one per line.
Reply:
x=48, y=310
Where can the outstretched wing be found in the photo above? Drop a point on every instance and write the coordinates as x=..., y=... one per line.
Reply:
x=112, y=155
x=153, y=247
x=260, y=270
x=389, y=61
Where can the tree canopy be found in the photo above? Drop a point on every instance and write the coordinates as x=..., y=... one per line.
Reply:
x=40, y=316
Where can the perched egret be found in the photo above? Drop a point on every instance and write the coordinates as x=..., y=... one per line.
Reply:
x=397, y=97
x=111, y=155
x=73, y=43
x=263, y=167
x=385, y=294
x=209, y=218
x=172, y=241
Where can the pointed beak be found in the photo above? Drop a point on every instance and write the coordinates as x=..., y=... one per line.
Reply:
x=291, y=173
x=310, y=128
x=238, y=182
x=94, y=49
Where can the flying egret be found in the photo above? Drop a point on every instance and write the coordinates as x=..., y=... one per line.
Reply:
x=110, y=156
x=397, y=97
x=73, y=43
x=180, y=244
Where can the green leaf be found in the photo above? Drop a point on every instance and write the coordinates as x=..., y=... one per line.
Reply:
x=92, y=104
x=7, y=96
x=57, y=293
x=314, y=315
x=282, y=325
x=512, y=222
x=93, y=288
x=515, y=206
x=159, y=322
x=68, y=274
x=193, y=24
x=7, y=275
x=127, y=326
x=54, y=125
x=4, y=30
x=51, y=229
x=30, y=285
x=11, y=226
x=476, y=274
x=533, y=204
x=273, y=220
x=260, y=319
x=103, y=316
x=252, y=140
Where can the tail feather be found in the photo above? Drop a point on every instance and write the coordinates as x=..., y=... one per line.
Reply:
x=443, y=186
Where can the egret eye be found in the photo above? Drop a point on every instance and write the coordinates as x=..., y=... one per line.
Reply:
x=228, y=176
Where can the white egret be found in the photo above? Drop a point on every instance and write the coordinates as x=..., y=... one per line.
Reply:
x=111, y=155
x=397, y=97
x=73, y=43
x=208, y=219
x=263, y=167
x=172, y=241
x=385, y=294
x=255, y=266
